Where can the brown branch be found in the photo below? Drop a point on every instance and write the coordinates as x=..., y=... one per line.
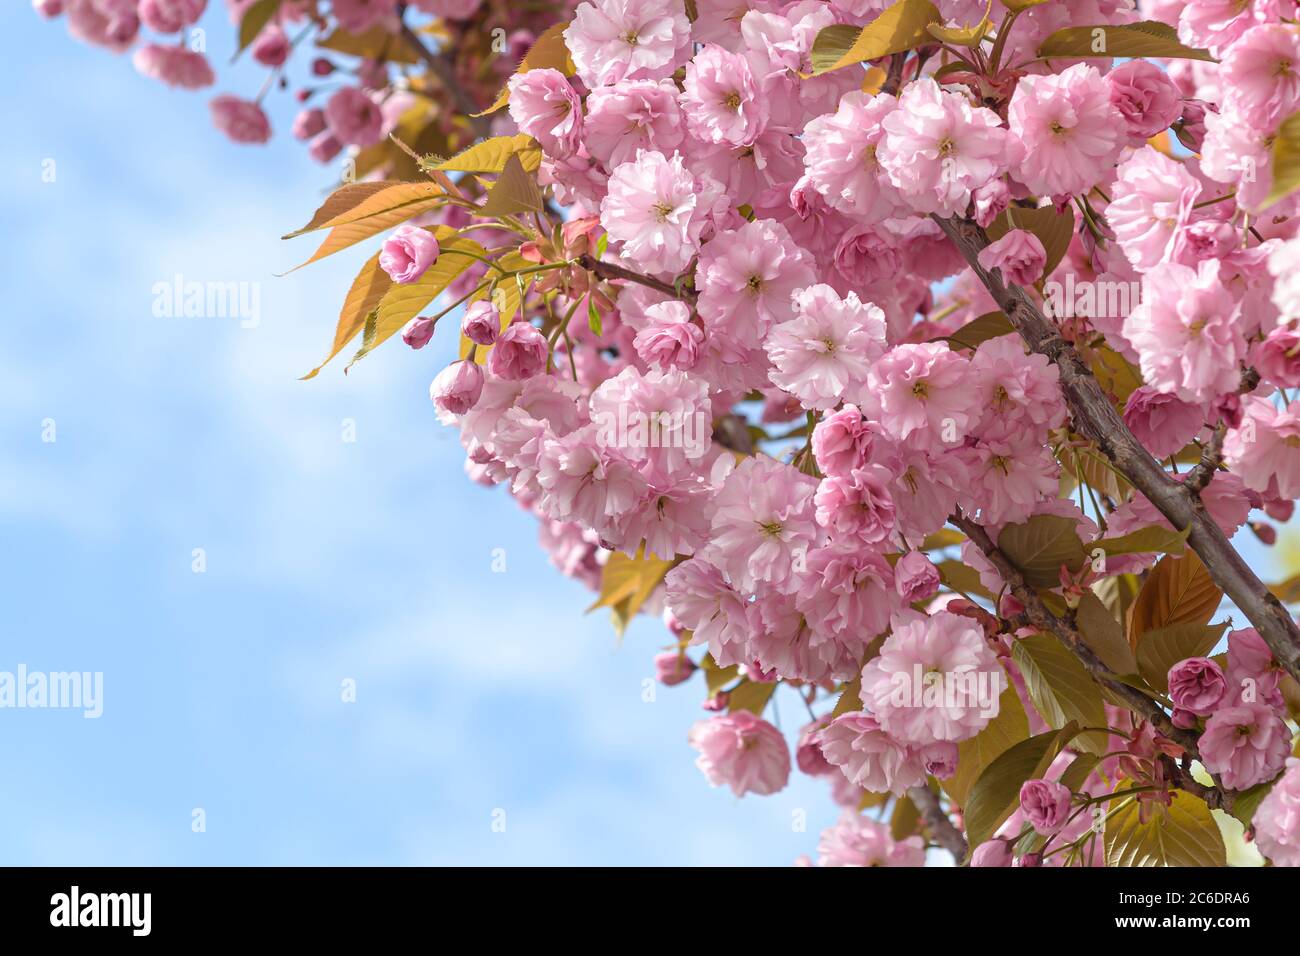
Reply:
x=1211, y=459
x=1065, y=630
x=445, y=70
x=607, y=270
x=942, y=829
x=1041, y=617
x=1096, y=418
x=894, y=78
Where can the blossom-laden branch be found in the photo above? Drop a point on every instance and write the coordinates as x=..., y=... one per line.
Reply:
x=1097, y=419
x=942, y=829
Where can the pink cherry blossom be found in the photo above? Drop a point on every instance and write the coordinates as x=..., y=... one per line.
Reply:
x=613, y=40
x=1046, y=805
x=1277, y=819
x=1069, y=130
x=1197, y=685
x=1144, y=95
x=857, y=840
x=868, y=756
x=408, y=253
x=651, y=210
x=547, y=108
x=1245, y=744
x=826, y=351
x=938, y=148
x=241, y=120
x=742, y=751
x=630, y=116
x=925, y=683
x=1019, y=255
x=720, y=99
x=1185, y=331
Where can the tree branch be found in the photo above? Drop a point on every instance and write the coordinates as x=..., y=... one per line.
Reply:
x=1065, y=630
x=942, y=829
x=1041, y=617
x=1095, y=417
x=607, y=270
x=443, y=68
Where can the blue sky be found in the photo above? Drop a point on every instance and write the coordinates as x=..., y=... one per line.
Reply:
x=326, y=560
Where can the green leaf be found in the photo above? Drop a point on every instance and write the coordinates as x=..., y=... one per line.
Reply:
x=1115, y=373
x=1061, y=688
x=905, y=820
x=254, y=20
x=990, y=325
x=1182, y=834
x=1145, y=540
x=1039, y=548
x=593, y=316
x=900, y=27
x=401, y=303
x=1004, y=731
x=962, y=577
x=633, y=579
x=514, y=192
x=1053, y=229
x=490, y=155
x=996, y=793
x=1178, y=590
x=1162, y=648
x=850, y=701
x=1286, y=161
x=751, y=696
x=1245, y=803
x=1103, y=632
x=715, y=677
x=1146, y=38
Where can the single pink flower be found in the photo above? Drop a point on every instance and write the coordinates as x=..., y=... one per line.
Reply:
x=742, y=751
x=520, y=353
x=457, y=388
x=241, y=120
x=1245, y=745
x=1019, y=255
x=408, y=253
x=1046, y=805
x=1197, y=685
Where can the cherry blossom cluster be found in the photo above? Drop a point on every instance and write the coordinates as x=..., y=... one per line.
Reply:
x=360, y=83
x=774, y=262
x=754, y=326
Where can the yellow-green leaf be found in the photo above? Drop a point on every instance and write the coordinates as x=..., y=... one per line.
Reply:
x=751, y=696
x=1061, y=688
x=850, y=701
x=548, y=52
x=1104, y=634
x=715, y=677
x=514, y=192
x=630, y=579
x=1003, y=732
x=403, y=302
x=350, y=233
x=962, y=577
x=490, y=155
x=362, y=299
x=1288, y=591
x=990, y=325
x=900, y=27
x=1286, y=161
x=1115, y=373
x=357, y=201
x=996, y=793
x=1053, y=229
x=377, y=43
x=1039, y=548
x=905, y=820
x=1146, y=38
x=1155, y=538
x=254, y=20
x=1161, y=648
x=1182, y=834
x=1177, y=591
